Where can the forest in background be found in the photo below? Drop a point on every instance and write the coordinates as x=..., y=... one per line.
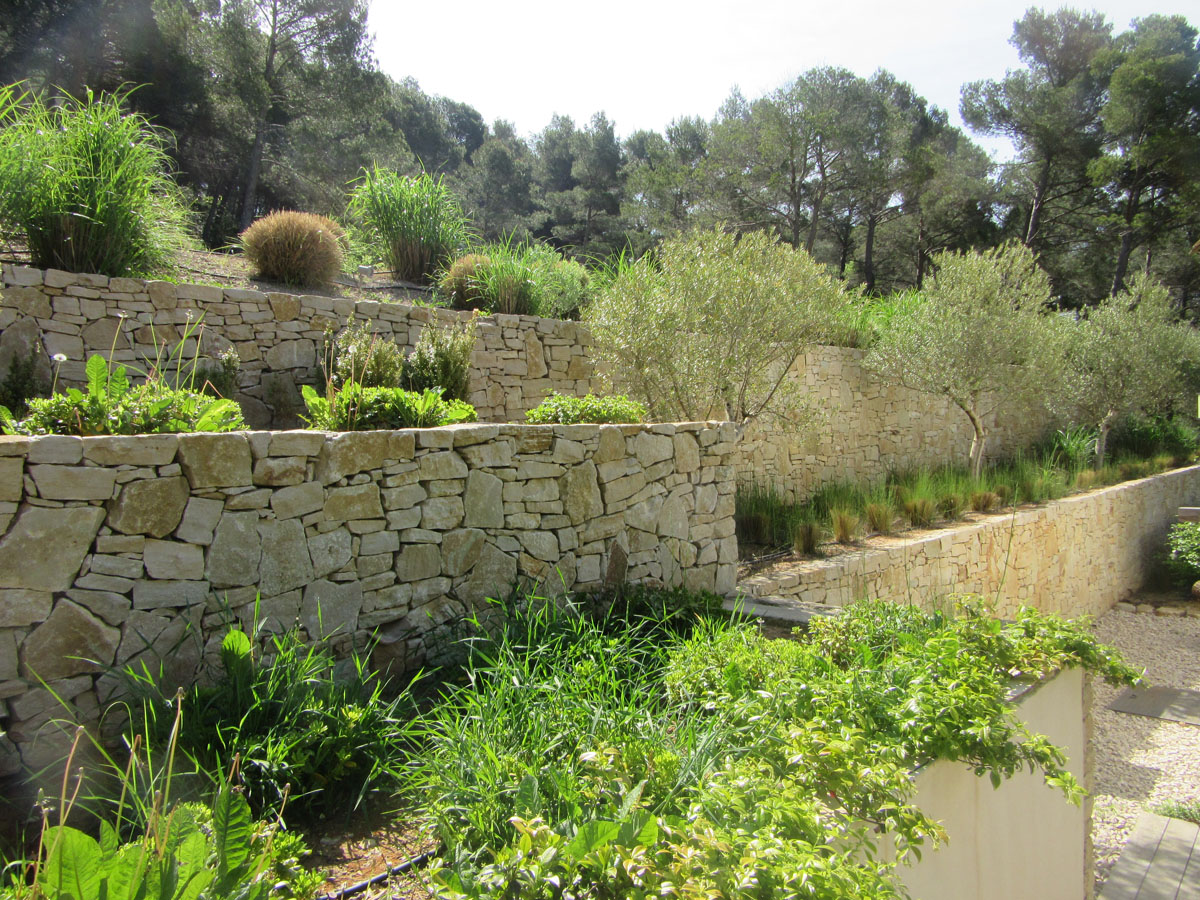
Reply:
x=280, y=103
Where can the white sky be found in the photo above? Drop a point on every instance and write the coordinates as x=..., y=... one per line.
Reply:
x=646, y=63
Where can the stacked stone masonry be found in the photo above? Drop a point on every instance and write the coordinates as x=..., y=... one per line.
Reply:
x=518, y=360
x=865, y=429
x=116, y=551
x=1075, y=556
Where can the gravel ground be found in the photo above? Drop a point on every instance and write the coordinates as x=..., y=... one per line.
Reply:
x=1142, y=761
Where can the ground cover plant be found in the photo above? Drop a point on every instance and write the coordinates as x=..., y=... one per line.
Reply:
x=87, y=183
x=629, y=756
x=357, y=408
x=558, y=409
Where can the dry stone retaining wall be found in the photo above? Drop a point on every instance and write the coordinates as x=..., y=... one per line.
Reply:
x=866, y=429
x=118, y=550
x=518, y=360
x=1075, y=556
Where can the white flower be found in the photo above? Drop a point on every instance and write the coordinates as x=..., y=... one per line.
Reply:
x=59, y=357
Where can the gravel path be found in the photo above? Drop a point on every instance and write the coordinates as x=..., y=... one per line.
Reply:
x=1142, y=761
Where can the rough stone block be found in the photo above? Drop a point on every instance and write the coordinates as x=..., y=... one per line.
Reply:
x=44, y=548
x=70, y=642
x=215, y=460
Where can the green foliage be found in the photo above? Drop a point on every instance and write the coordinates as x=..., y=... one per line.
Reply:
x=157, y=848
x=1188, y=810
x=295, y=248
x=21, y=383
x=316, y=734
x=460, y=282
x=1148, y=436
x=442, y=361
x=619, y=757
x=980, y=340
x=220, y=379
x=558, y=409
x=415, y=223
x=87, y=183
x=516, y=279
x=685, y=330
x=863, y=322
x=359, y=355
x=356, y=408
x=1183, y=542
x=113, y=405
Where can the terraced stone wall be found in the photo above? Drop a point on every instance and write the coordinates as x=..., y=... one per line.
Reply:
x=518, y=360
x=865, y=429
x=119, y=550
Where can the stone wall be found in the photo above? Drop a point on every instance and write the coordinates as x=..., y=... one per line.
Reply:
x=518, y=360
x=1075, y=556
x=865, y=429
x=118, y=550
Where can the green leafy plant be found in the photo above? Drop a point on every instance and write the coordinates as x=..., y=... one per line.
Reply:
x=297, y=248
x=320, y=736
x=441, y=360
x=1183, y=545
x=220, y=378
x=113, y=405
x=559, y=409
x=87, y=184
x=460, y=282
x=360, y=355
x=414, y=223
x=357, y=408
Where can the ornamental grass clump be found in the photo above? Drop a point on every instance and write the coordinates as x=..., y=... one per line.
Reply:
x=296, y=248
x=87, y=183
x=414, y=223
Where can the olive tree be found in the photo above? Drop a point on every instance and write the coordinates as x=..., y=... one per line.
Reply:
x=1129, y=354
x=982, y=340
x=709, y=327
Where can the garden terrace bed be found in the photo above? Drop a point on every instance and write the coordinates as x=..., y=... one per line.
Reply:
x=118, y=550
x=518, y=360
x=1079, y=555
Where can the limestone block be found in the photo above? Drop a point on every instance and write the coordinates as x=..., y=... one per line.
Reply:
x=73, y=482
x=19, y=608
x=285, y=561
x=417, y=562
x=441, y=513
x=612, y=445
x=404, y=497
x=285, y=307
x=492, y=576
x=483, y=505
x=461, y=550
x=361, y=451
x=296, y=443
x=329, y=552
x=360, y=501
x=652, y=448
x=298, y=354
x=134, y=450
x=160, y=594
x=44, y=548
x=12, y=479
x=441, y=466
x=535, y=357
x=540, y=544
x=279, y=471
x=29, y=301
x=215, y=460
x=56, y=448
x=331, y=608
x=154, y=507
x=120, y=566
x=298, y=500
x=236, y=551
x=21, y=342
x=70, y=642
x=529, y=469
x=200, y=518
x=173, y=559
x=495, y=454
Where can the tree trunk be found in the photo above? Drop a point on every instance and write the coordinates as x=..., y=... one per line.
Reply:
x=1102, y=438
x=1039, y=198
x=978, y=441
x=921, y=253
x=253, y=170
x=869, y=255
x=1131, y=208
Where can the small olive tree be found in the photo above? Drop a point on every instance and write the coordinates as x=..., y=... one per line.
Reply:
x=982, y=339
x=710, y=327
x=1126, y=355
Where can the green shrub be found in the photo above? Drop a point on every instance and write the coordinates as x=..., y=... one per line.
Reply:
x=1183, y=544
x=359, y=355
x=112, y=405
x=220, y=378
x=441, y=361
x=357, y=408
x=21, y=383
x=561, y=286
x=295, y=248
x=558, y=409
x=296, y=717
x=516, y=279
x=87, y=183
x=1146, y=436
x=415, y=223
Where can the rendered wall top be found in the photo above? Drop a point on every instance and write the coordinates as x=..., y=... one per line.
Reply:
x=118, y=550
x=518, y=360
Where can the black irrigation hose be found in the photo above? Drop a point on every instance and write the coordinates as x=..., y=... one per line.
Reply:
x=399, y=869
